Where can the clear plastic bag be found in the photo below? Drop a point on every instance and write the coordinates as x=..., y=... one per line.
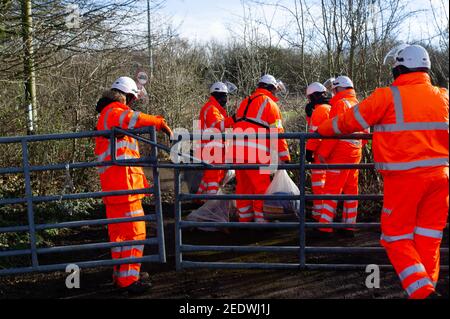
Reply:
x=282, y=184
x=213, y=211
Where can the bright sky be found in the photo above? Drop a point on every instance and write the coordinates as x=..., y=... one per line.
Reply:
x=204, y=20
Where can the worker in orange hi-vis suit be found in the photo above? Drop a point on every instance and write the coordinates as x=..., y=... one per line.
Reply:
x=317, y=111
x=411, y=150
x=341, y=152
x=258, y=114
x=115, y=111
x=214, y=119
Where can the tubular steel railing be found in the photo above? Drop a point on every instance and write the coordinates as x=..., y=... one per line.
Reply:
x=180, y=248
x=302, y=250
x=34, y=251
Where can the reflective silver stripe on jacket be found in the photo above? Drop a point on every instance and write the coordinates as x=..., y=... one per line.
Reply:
x=122, y=118
x=105, y=120
x=261, y=109
x=419, y=126
x=135, y=213
x=205, y=115
x=130, y=145
x=427, y=232
x=354, y=142
x=314, y=184
x=414, y=164
x=387, y=211
x=391, y=239
x=398, y=104
x=222, y=125
x=133, y=120
x=103, y=169
x=417, y=268
x=126, y=157
x=104, y=155
x=359, y=117
x=133, y=146
x=335, y=126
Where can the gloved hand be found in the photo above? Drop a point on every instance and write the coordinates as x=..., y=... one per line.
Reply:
x=309, y=156
x=166, y=129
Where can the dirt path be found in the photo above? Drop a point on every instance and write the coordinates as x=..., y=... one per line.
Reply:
x=204, y=283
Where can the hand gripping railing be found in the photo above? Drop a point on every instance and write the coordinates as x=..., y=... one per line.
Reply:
x=302, y=250
x=34, y=251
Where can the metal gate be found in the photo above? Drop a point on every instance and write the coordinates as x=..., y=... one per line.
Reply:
x=302, y=250
x=30, y=200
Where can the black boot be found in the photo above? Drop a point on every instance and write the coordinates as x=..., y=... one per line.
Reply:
x=138, y=287
x=434, y=295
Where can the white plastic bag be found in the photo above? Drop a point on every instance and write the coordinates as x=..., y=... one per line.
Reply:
x=213, y=211
x=228, y=177
x=282, y=184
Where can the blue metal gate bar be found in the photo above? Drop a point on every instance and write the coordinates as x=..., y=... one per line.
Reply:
x=82, y=264
x=29, y=199
x=302, y=225
x=283, y=249
x=70, y=248
x=76, y=224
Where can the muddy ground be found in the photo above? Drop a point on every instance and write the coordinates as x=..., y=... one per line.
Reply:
x=204, y=283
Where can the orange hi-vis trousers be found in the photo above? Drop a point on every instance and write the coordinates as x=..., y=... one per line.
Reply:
x=414, y=216
x=343, y=181
x=251, y=182
x=317, y=185
x=211, y=180
x=125, y=275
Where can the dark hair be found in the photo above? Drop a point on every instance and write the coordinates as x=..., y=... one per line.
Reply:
x=266, y=86
x=401, y=69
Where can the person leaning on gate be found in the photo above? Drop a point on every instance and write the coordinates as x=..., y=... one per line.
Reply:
x=258, y=113
x=214, y=119
x=341, y=181
x=115, y=111
x=317, y=111
x=411, y=149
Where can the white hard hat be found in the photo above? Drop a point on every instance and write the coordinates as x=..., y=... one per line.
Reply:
x=410, y=56
x=268, y=79
x=329, y=83
x=219, y=87
x=343, y=82
x=315, y=87
x=126, y=85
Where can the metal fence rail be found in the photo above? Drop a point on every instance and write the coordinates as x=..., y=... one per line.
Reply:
x=34, y=252
x=302, y=250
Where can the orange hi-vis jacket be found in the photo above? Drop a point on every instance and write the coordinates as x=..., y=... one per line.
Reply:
x=320, y=114
x=213, y=115
x=259, y=113
x=213, y=119
x=411, y=124
x=113, y=178
x=340, y=103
